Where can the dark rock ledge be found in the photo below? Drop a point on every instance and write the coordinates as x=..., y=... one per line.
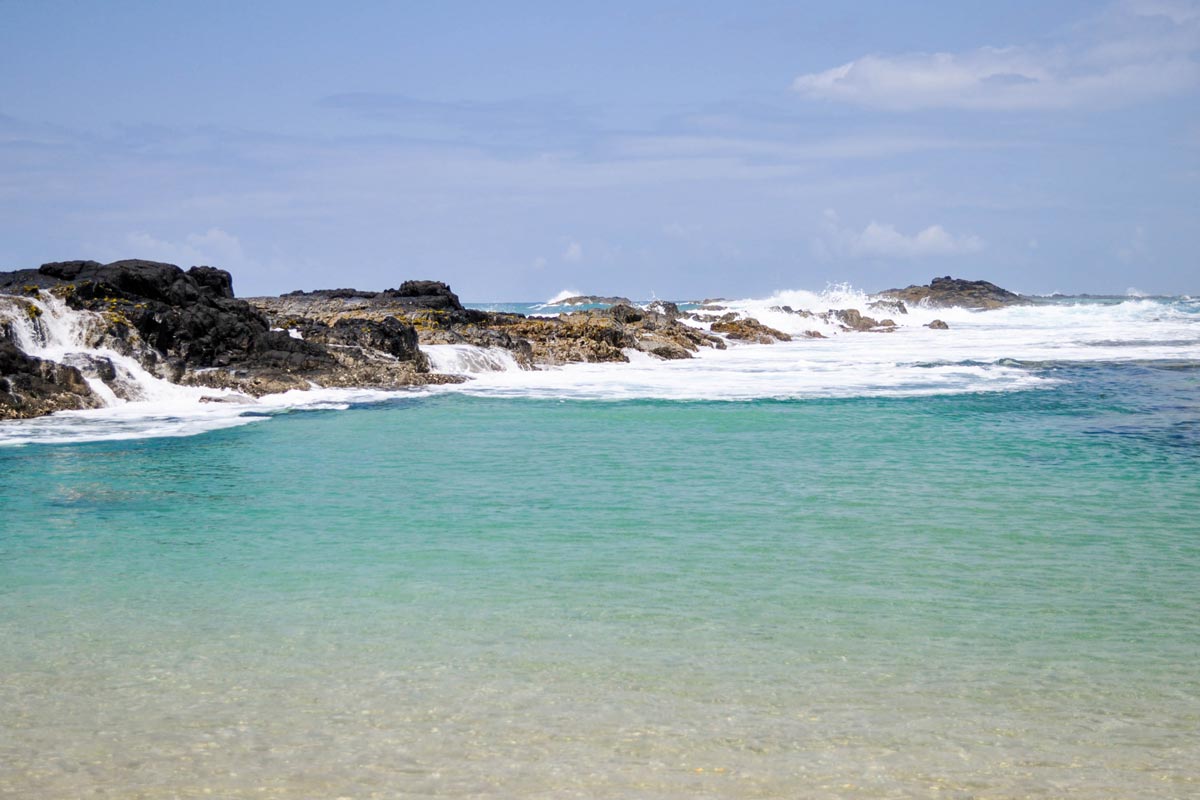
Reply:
x=188, y=328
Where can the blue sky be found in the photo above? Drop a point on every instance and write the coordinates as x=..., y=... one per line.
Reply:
x=670, y=149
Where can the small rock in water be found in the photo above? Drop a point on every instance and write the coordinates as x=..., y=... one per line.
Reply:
x=938, y=325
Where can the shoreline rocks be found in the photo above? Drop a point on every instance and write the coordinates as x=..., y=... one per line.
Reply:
x=947, y=291
x=188, y=327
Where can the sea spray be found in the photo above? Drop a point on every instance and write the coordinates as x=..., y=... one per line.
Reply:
x=44, y=326
x=463, y=359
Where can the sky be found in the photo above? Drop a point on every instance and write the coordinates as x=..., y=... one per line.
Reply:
x=652, y=149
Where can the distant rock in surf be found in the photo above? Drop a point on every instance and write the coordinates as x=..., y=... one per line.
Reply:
x=591, y=300
x=947, y=291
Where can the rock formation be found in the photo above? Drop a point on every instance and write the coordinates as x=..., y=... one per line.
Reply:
x=949, y=291
x=592, y=300
x=31, y=386
x=580, y=336
x=187, y=327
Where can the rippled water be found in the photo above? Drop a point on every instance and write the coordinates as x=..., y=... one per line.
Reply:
x=967, y=595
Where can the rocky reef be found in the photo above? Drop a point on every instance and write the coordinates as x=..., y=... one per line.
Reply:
x=594, y=335
x=947, y=291
x=73, y=333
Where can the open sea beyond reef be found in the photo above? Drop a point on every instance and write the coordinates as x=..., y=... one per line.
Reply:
x=955, y=564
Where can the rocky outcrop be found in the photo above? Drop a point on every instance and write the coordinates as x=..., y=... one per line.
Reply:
x=602, y=334
x=748, y=329
x=888, y=306
x=592, y=300
x=187, y=327
x=594, y=335
x=32, y=387
x=947, y=291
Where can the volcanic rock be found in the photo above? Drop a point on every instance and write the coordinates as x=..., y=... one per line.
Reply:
x=32, y=387
x=187, y=327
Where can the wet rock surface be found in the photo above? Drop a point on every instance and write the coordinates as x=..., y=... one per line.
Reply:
x=593, y=335
x=187, y=327
x=32, y=387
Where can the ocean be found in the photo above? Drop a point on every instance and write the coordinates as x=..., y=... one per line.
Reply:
x=958, y=563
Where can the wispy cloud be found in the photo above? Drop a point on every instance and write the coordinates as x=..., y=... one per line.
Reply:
x=1134, y=51
x=573, y=252
x=883, y=240
x=213, y=247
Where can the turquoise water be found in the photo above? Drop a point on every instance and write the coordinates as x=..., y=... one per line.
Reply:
x=981, y=595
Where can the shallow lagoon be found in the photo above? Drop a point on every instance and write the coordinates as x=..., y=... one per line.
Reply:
x=978, y=595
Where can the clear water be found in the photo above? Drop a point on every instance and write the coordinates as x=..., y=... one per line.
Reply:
x=462, y=594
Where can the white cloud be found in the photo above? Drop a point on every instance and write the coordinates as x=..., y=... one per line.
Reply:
x=214, y=247
x=881, y=240
x=1136, y=50
x=573, y=253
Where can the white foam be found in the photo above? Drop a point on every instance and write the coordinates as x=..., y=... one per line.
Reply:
x=467, y=359
x=153, y=419
x=980, y=352
x=565, y=294
x=58, y=333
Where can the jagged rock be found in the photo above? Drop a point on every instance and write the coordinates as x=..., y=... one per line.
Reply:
x=852, y=319
x=666, y=308
x=892, y=306
x=33, y=387
x=216, y=280
x=748, y=329
x=790, y=310
x=426, y=294
x=815, y=335
x=625, y=313
x=949, y=291
x=938, y=325
x=388, y=336
x=187, y=327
